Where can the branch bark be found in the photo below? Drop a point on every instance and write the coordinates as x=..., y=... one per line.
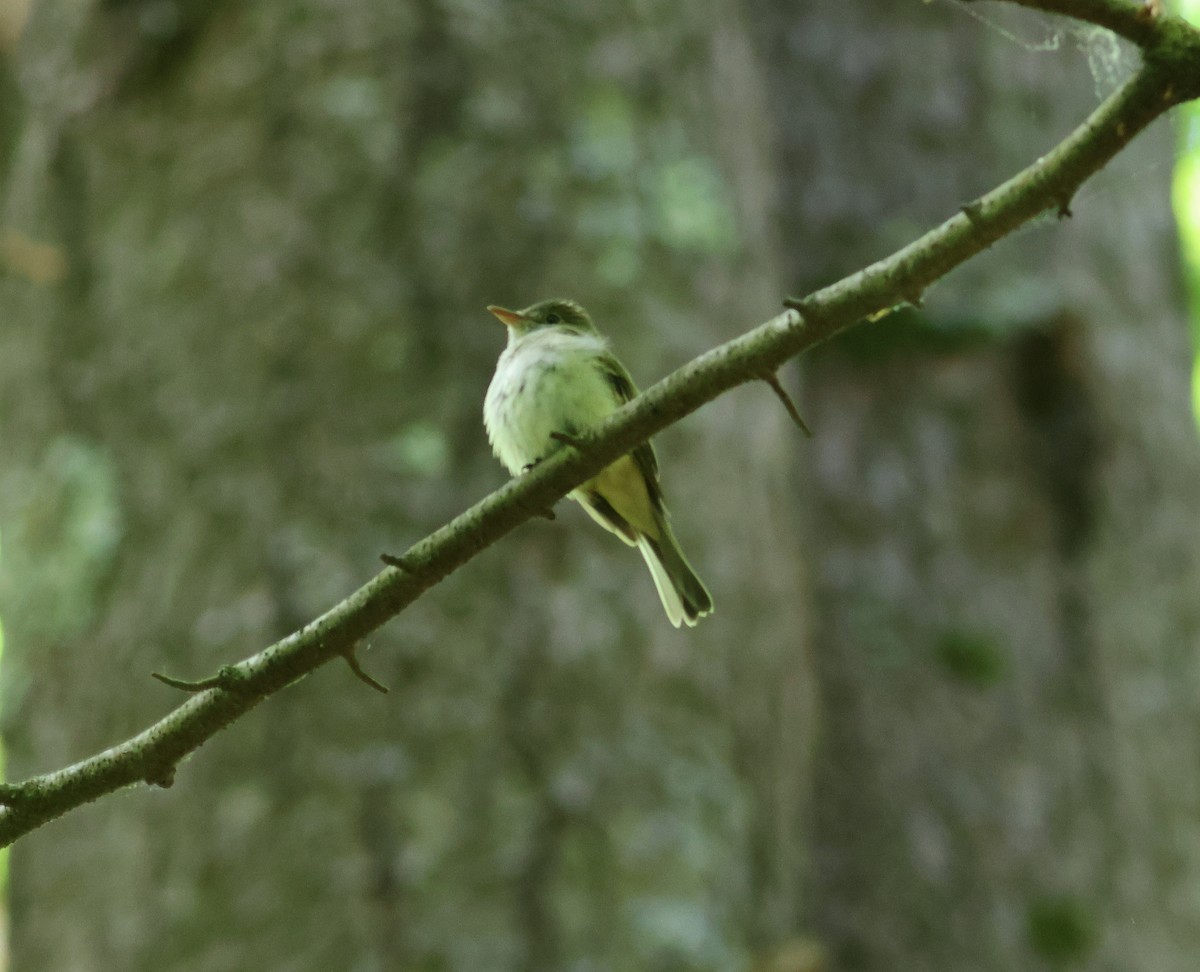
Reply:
x=1169, y=75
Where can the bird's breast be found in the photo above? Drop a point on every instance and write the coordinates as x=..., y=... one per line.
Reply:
x=544, y=384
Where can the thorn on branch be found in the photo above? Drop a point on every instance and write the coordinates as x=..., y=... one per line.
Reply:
x=1064, y=208
x=973, y=211
x=772, y=379
x=162, y=776
x=228, y=678
x=810, y=314
x=400, y=563
x=548, y=514
x=916, y=300
x=803, y=305
x=351, y=657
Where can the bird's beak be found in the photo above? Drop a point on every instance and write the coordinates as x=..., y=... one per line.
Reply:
x=506, y=317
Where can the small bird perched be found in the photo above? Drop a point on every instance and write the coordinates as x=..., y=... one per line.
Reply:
x=556, y=379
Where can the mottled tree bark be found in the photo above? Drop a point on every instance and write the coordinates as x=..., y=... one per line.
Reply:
x=1004, y=516
x=254, y=357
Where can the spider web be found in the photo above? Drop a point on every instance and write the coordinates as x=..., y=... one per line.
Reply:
x=1110, y=61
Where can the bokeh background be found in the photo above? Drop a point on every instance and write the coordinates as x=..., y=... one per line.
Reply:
x=947, y=714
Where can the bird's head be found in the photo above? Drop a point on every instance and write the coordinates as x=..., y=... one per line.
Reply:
x=547, y=313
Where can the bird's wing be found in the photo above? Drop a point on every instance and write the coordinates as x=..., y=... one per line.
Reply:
x=643, y=455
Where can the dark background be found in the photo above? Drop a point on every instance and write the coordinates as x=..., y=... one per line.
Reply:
x=946, y=715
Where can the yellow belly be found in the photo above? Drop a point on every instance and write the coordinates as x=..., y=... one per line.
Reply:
x=624, y=488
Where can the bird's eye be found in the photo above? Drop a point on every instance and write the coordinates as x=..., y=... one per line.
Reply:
x=553, y=319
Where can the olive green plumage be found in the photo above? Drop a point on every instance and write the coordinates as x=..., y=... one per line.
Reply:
x=558, y=376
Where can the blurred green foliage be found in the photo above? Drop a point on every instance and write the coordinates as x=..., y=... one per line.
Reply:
x=907, y=330
x=58, y=549
x=420, y=449
x=551, y=763
x=1060, y=929
x=644, y=193
x=1187, y=207
x=971, y=657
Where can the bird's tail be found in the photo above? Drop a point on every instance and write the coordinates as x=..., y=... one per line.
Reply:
x=683, y=594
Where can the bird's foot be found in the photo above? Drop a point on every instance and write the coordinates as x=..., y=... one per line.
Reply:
x=566, y=439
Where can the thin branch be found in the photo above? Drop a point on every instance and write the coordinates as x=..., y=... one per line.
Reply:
x=1170, y=74
x=772, y=380
x=227, y=678
x=351, y=657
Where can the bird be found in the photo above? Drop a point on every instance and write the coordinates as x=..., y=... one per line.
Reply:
x=556, y=378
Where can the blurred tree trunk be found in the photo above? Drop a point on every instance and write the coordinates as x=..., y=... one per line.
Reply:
x=1004, y=514
x=246, y=253
x=244, y=351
